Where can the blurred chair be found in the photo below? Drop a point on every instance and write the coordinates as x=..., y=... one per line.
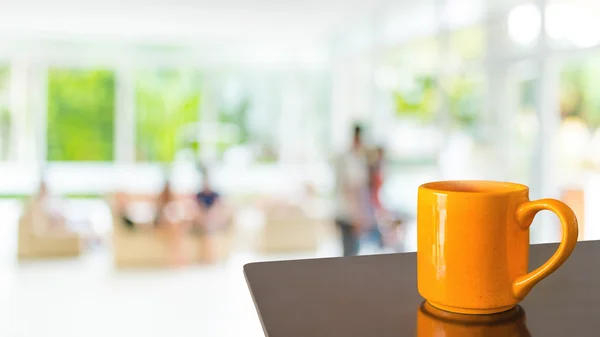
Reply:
x=163, y=246
x=289, y=228
x=34, y=241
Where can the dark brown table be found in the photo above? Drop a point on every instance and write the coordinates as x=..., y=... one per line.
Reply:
x=376, y=296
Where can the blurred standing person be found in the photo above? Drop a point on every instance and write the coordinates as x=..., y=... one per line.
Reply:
x=352, y=193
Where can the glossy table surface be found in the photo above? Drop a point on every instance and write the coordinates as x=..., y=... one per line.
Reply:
x=377, y=296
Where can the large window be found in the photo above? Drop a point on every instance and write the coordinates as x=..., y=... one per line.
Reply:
x=167, y=112
x=408, y=77
x=265, y=110
x=578, y=91
x=81, y=109
x=464, y=96
x=578, y=135
x=317, y=114
x=463, y=85
x=233, y=106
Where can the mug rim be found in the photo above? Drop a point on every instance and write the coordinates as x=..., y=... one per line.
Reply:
x=473, y=187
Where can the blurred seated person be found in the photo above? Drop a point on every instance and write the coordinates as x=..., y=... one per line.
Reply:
x=47, y=211
x=211, y=214
x=122, y=210
x=165, y=211
x=135, y=214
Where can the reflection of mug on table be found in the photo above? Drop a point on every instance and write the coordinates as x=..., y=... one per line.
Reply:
x=433, y=322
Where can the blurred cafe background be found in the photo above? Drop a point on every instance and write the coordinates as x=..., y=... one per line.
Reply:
x=149, y=149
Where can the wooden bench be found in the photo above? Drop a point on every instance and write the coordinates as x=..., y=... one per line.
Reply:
x=36, y=240
x=165, y=245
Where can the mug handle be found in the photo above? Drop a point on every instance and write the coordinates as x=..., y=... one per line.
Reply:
x=525, y=214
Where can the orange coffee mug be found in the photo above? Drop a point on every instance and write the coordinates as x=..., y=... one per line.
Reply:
x=433, y=322
x=473, y=244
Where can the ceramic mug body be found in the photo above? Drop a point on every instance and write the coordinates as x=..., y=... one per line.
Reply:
x=473, y=242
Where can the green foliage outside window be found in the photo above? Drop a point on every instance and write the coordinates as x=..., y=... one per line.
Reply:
x=81, y=109
x=464, y=97
x=167, y=110
x=419, y=102
x=234, y=114
x=460, y=94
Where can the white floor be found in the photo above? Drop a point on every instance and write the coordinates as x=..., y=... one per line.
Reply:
x=88, y=297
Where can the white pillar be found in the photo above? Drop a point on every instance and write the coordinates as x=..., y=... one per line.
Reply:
x=340, y=104
x=288, y=119
x=39, y=111
x=499, y=105
x=18, y=105
x=547, y=107
x=352, y=90
x=210, y=116
x=124, y=119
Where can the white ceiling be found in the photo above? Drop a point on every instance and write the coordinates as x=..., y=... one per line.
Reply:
x=267, y=29
x=224, y=21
